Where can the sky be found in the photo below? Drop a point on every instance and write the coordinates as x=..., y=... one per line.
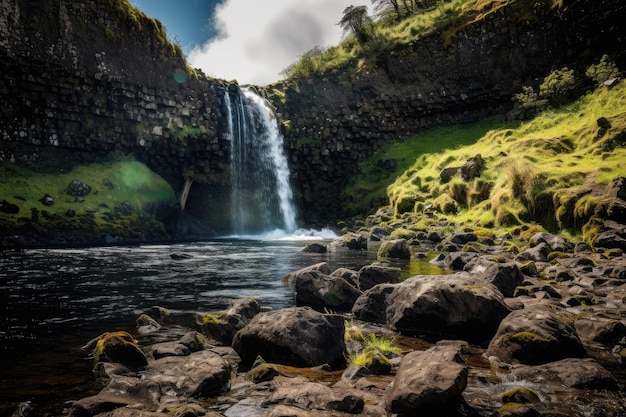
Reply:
x=250, y=41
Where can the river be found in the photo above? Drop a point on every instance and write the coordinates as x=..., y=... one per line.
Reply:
x=53, y=301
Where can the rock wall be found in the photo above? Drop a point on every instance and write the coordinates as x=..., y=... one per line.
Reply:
x=82, y=79
x=337, y=120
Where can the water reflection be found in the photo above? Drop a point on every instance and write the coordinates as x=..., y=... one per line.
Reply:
x=54, y=301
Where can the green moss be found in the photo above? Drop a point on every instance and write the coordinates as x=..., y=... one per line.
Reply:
x=521, y=395
x=209, y=319
x=524, y=338
x=332, y=297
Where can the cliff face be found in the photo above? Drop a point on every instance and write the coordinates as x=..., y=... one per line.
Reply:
x=459, y=76
x=82, y=79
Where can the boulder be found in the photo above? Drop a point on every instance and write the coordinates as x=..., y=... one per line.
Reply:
x=396, y=248
x=458, y=305
x=535, y=335
x=454, y=260
x=569, y=372
x=371, y=275
x=315, y=247
x=320, y=291
x=189, y=343
x=377, y=234
x=221, y=327
x=554, y=242
x=119, y=347
x=605, y=330
x=297, y=336
x=472, y=168
x=313, y=396
x=146, y=324
x=322, y=267
x=371, y=306
x=538, y=253
x=78, y=188
x=505, y=276
x=200, y=375
x=351, y=240
x=463, y=238
x=428, y=382
x=349, y=275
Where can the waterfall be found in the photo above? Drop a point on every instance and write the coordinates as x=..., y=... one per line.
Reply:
x=261, y=199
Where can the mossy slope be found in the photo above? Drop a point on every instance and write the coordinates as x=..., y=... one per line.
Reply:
x=124, y=199
x=552, y=170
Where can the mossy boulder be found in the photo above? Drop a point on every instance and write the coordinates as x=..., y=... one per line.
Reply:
x=535, y=335
x=120, y=347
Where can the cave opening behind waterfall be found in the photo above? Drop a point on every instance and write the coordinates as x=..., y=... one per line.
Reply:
x=261, y=196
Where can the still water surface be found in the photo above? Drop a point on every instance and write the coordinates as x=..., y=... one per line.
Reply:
x=54, y=301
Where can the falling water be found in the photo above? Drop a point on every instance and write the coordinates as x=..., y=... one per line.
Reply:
x=261, y=198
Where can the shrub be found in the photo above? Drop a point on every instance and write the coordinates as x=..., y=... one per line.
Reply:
x=557, y=85
x=603, y=70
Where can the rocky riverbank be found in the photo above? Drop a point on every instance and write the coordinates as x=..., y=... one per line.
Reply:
x=528, y=325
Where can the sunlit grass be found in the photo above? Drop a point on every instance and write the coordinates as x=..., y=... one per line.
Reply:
x=548, y=170
x=131, y=180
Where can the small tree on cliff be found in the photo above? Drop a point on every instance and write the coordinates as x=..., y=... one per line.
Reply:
x=355, y=20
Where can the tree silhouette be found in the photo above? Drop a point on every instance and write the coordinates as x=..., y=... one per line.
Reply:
x=355, y=20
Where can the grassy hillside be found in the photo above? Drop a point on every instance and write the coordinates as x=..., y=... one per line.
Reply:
x=552, y=170
x=125, y=195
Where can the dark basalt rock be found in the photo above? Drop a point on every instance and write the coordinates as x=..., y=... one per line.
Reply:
x=78, y=188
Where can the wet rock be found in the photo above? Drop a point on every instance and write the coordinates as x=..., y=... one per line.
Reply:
x=396, y=248
x=535, y=335
x=146, y=324
x=354, y=241
x=428, y=381
x=70, y=213
x=223, y=326
x=505, y=276
x=315, y=247
x=446, y=306
x=201, y=374
x=297, y=336
x=158, y=312
x=322, y=267
x=600, y=329
x=119, y=347
x=320, y=291
x=454, y=260
x=570, y=372
x=190, y=342
x=522, y=395
x=78, y=188
x=371, y=275
x=372, y=304
x=312, y=396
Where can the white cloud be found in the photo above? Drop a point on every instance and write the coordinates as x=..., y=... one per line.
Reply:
x=259, y=38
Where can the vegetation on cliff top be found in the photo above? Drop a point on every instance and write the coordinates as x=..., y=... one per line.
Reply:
x=552, y=170
x=372, y=40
